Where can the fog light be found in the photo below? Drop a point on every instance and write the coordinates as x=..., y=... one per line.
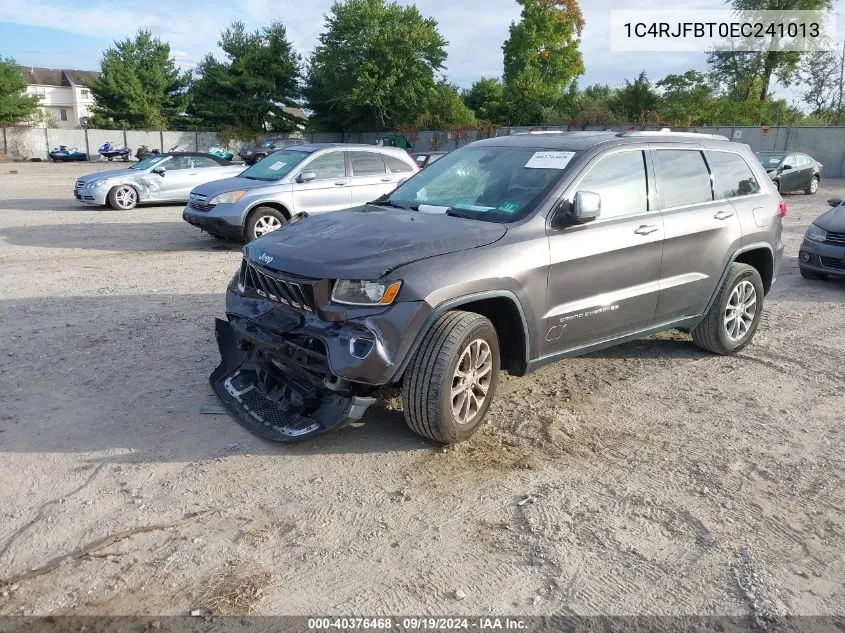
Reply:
x=361, y=347
x=805, y=257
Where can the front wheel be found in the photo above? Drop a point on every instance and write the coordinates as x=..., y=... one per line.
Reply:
x=732, y=320
x=813, y=186
x=123, y=197
x=262, y=221
x=450, y=383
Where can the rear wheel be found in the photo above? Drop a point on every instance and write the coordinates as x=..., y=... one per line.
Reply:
x=263, y=220
x=733, y=318
x=813, y=187
x=123, y=197
x=452, y=380
x=258, y=157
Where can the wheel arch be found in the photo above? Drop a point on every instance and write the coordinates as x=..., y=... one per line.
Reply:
x=272, y=204
x=759, y=256
x=504, y=310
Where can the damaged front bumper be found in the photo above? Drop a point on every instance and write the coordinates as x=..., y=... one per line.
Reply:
x=289, y=376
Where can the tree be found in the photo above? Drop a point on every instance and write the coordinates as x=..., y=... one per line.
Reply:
x=446, y=109
x=821, y=79
x=486, y=99
x=248, y=92
x=749, y=74
x=634, y=99
x=374, y=66
x=15, y=106
x=542, y=58
x=140, y=85
x=686, y=99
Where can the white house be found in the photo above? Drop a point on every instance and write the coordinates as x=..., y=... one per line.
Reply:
x=64, y=99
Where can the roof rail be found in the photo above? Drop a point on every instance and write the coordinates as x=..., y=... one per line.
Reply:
x=667, y=132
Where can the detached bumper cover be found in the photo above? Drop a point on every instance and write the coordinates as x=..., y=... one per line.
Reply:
x=271, y=402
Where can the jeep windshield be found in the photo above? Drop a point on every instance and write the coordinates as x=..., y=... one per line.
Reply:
x=276, y=166
x=494, y=184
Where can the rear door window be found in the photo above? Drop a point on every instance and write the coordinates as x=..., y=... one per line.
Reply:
x=683, y=177
x=732, y=176
x=327, y=166
x=620, y=180
x=367, y=164
x=396, y=165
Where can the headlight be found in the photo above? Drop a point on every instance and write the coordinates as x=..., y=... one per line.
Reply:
x=365, y=293
x=229, y=197
x=97, y=183
x=815, y=234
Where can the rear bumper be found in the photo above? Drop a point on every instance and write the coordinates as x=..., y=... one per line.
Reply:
x=822, y=258
x=271, y=399
x=213, y=224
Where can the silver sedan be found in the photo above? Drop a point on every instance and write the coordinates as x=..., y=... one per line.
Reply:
x=158, y=178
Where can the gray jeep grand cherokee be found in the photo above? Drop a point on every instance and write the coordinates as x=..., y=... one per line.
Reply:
x=509, y=253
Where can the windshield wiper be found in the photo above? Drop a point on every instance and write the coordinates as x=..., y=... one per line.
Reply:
x=384, y=201
x=459, y=213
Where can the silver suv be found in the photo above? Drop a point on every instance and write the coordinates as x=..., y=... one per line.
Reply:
x=302, y=179
x=509, y=253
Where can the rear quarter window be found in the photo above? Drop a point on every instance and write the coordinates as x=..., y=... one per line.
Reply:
x=396, y=165
x=732, y=176
x=683, y=177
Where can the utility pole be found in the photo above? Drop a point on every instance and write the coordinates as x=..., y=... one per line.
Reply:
x=841, y=79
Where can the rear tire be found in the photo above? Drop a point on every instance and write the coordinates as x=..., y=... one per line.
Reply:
x=811, y=274
x=452, y=379
x=257, y=158
x=263, y=220
x=732, y=320
x=814, y=186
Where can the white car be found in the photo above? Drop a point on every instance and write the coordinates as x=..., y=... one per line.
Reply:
x=166, y=177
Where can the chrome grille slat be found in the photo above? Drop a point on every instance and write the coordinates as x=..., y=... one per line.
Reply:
x=837, y=239
x=274, y=287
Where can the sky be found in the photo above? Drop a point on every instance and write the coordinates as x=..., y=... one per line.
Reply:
x=73, y=33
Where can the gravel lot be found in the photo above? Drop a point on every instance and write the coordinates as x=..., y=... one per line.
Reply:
x=651, y=478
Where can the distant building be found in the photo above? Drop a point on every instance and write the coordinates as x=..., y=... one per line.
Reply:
x=63, y=97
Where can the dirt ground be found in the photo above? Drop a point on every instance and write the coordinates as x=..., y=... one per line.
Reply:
x=652, y=478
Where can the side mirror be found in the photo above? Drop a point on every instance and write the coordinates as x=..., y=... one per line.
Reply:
x=306, y=176
x=835, y=202
x=160, y=171
x=785, y=167
x=585, y=208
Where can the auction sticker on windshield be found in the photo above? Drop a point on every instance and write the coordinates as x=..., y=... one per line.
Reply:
x=549, y=160
x=277, y=165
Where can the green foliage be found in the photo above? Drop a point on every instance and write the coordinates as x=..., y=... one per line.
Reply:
x=246, y=93
x=542, y=59
x=445, y=110
x=486, y=99
x=374, y=66
x=15, y=106
x=687, y=99
x=140, y=86
x=635, y=100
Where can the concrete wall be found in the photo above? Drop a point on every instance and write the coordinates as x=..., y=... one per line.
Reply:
x=825, y=144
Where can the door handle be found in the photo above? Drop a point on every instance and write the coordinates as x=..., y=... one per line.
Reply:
x=341, y=183
x=724, y=214
x=646, y=229
x=387, y=179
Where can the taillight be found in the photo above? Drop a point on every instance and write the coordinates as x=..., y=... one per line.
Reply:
x=782, y=209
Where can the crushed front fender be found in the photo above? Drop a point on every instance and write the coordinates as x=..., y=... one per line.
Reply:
x=272, y=403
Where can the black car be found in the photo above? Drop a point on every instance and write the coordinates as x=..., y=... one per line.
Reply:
x=251, y=154
x=822, y=253
x=792, y=171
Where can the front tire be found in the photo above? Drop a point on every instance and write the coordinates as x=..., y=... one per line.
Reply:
x=263, y=220
x=257, y=158
x=813, y=187
x=732, y=320
x=123, y=197
x=452, y=379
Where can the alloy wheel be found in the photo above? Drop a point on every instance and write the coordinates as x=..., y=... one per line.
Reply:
x=814, y=185
x=126, y=197
x=265, y=224
x=471, y=381
x=740, y=311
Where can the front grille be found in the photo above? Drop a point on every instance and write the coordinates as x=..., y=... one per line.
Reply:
x=837, y=239
x=829, y=262
x=276, y=288
x=199, y=202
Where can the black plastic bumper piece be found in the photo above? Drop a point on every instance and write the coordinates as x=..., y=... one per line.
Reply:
x=257, y=395
x=215, y=226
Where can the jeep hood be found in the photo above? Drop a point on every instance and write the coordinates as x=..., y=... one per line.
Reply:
x=367, y=242
x=215, y=187
x=833, y=220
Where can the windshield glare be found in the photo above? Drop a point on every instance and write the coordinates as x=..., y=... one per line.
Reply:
x=148, y=162
x=275, y=166
x=266, y=143
x=495, y=184
x=770, y=161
